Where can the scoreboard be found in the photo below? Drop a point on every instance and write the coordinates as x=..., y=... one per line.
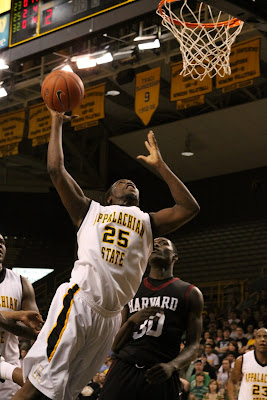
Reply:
x=33, y=18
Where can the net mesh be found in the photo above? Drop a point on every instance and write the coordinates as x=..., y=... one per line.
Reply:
x=205, y=47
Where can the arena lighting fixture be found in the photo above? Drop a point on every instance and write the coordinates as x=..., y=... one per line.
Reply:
x=148, y=38
x=91, y=60
x=123, y=53
x=105, y=58
x=84, y=61
x=3, y=64
x=149, y=45
x=113, y=93
x=187, y=147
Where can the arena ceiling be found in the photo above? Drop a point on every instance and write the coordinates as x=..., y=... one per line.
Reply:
x=228, y=132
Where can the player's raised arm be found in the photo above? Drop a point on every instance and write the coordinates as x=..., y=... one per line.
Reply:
x=69, y=191
x=185, y=208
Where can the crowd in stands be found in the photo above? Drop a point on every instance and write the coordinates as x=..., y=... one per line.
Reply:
x=226, y=336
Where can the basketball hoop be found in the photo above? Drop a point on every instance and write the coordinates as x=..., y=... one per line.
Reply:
x=205, y=46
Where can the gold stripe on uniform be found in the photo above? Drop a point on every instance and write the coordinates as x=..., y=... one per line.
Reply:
x=62, y=320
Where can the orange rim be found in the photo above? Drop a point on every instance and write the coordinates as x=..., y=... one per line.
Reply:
x=232, y=23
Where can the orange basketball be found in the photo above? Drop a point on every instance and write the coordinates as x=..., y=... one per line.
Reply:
x=62, y=90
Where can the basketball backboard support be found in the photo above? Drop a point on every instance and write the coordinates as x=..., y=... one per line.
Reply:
x=251, y=11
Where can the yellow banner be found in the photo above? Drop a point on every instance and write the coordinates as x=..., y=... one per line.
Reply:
x=39, y=124
x=91, y=108
x=184, y=87
x=12, y=127
x=9, y=150
x=245, y=65
x=191, y=102
x=147, y=86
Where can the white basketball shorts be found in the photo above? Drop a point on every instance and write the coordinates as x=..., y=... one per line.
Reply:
x=72, y=345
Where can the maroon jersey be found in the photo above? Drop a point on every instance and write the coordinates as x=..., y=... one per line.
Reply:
x=158, y=338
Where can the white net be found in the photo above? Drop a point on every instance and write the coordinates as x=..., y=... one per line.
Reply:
x=205, y=46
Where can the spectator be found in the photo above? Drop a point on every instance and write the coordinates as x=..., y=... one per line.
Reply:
x=213, y=393
x=231, y=357
x=213, y=328
x=223, y=373
x=219, y=335
x=252, y=340
x=250, y=332
x=89, y=389
x=233, y=328
x=207, y=367
x=23, y=353
x=246, y=319
x=185, y=386
x=93, y=389
x=233, y=347
x=200, y=389
x=222, y=346
x=233, y=317
x=250, y=348
x=199, y=366
x=206, y=336
x=212, y=358
x=105, y=367
x=241, y=340
x=210, y=341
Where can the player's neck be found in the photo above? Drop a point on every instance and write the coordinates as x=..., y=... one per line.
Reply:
x=160, y=274
x=261, y=357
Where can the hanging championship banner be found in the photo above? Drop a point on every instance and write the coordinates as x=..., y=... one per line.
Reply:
x=91, y=109
x=147, y=86
x=245, y=66
x=11, y=132
x=39, y=124
x=191, y=102
x=184, y=87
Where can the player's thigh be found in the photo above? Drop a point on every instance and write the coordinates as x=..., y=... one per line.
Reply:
x=122, y=382
x=29, y=392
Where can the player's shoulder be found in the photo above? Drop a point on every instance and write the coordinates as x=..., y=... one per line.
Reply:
x=11, y=272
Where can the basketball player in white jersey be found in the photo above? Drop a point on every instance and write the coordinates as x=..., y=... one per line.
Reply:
x=114, y=244
x=16, y=293
x=252, y=367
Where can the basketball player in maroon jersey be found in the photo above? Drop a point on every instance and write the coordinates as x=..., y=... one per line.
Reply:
x=147, y=358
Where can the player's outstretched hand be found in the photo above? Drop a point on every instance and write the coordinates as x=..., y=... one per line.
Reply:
x=159, y=373
x=144, y=314
x=154, y=158
x=32, y=319
x=61, y=116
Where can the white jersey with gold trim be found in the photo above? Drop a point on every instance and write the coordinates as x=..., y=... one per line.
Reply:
x=10, y=300
x=114, y=244
x=254, y=381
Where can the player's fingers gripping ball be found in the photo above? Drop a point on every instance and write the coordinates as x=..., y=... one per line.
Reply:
x=62, y=91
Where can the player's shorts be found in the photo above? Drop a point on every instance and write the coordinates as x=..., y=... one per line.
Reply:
x=72, y=345
x=126, y=381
